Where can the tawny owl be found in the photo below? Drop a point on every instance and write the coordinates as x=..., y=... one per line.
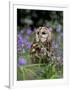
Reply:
x=41, y=48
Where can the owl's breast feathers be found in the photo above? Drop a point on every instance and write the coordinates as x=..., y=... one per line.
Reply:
x=40, y=48
x=35, y=48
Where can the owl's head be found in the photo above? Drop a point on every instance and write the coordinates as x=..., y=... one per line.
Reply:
x=43, y=34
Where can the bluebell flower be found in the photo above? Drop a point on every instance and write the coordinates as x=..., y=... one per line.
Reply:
x=28, y=45
x=26, y=37
x=29, y=31
x=25, y=40
x=20, y=39
x=22, y=61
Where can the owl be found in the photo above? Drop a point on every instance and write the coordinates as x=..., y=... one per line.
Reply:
x=41, y=48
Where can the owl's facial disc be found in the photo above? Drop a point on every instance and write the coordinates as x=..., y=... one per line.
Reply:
x=42, y=34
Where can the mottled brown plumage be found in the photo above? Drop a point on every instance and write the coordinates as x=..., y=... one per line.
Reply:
x=41, y=49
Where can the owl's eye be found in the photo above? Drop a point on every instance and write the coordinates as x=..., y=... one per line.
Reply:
x=43, y=33
x=37, y=32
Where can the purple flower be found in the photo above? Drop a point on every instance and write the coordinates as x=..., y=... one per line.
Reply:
x=28, y=45
x=25, y=40
x=20, y=39
x=29, y=32
x=22, y=61
x=26, y=37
